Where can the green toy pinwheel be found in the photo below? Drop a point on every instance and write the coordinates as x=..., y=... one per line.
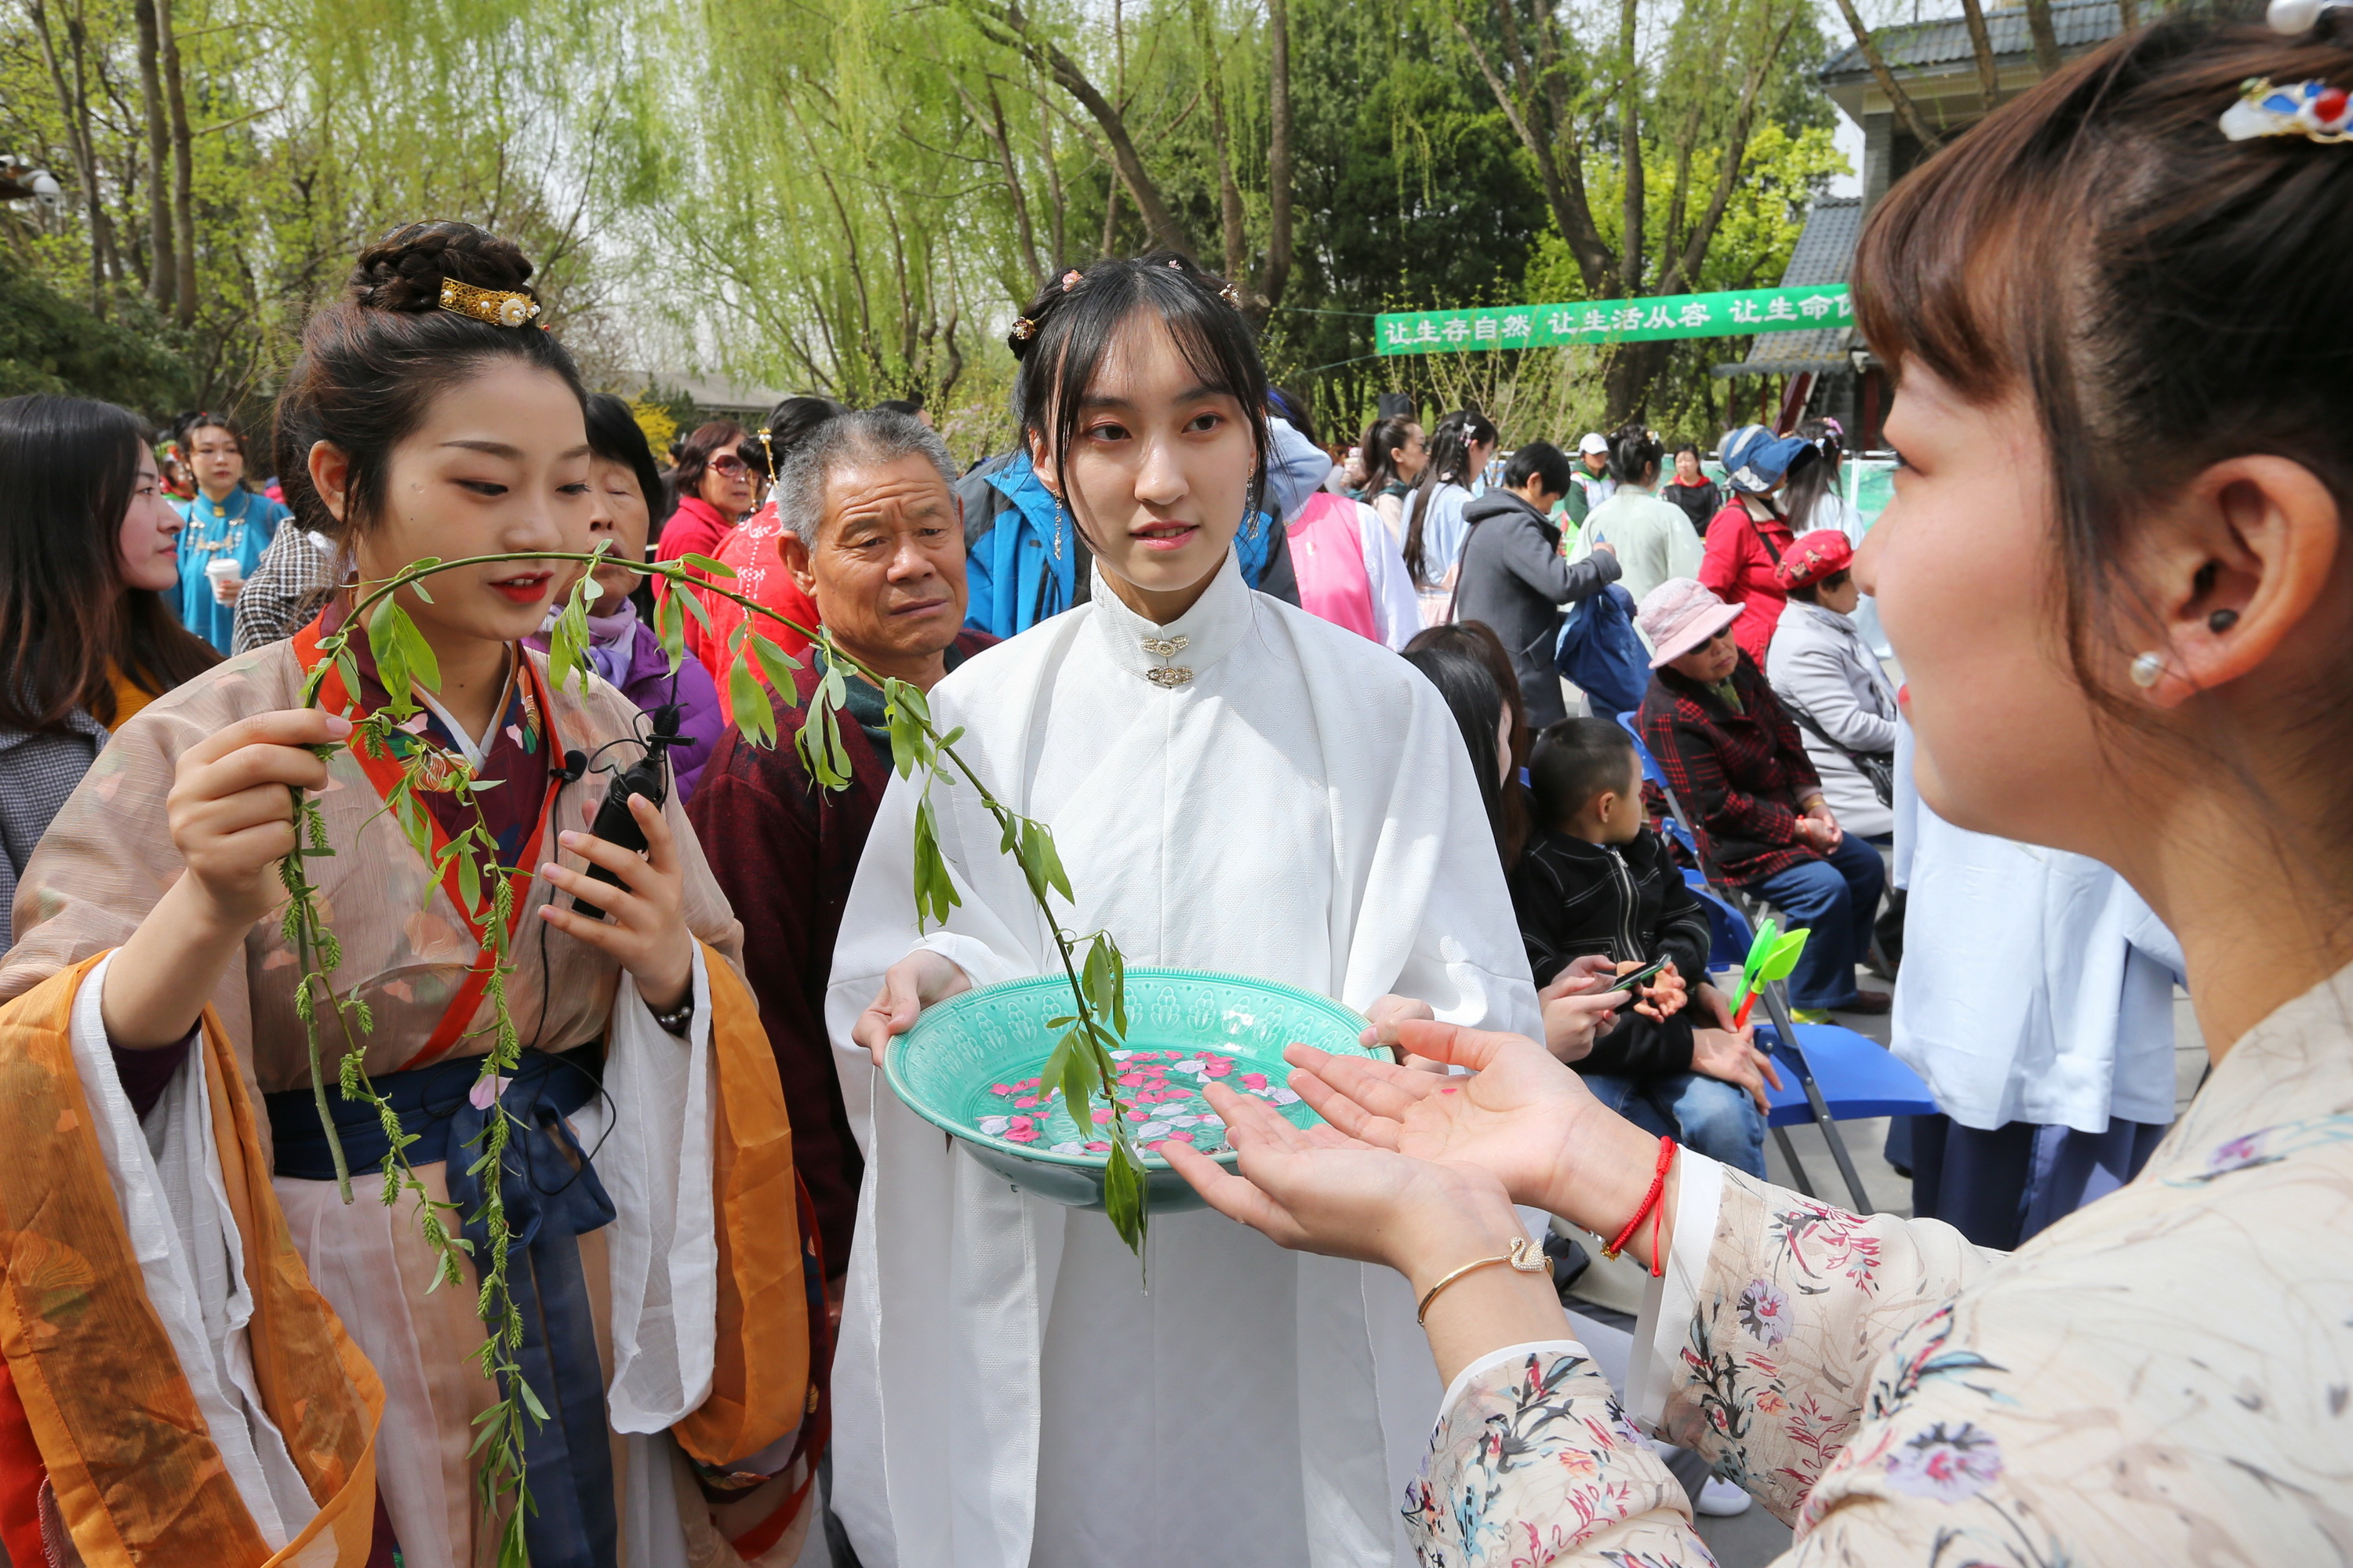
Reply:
x=1772, y=956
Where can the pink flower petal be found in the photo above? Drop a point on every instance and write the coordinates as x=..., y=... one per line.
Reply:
x=1253, y=1080
x=486, y=1090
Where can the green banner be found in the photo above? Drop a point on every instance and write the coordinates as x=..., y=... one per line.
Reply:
x=1728, y=315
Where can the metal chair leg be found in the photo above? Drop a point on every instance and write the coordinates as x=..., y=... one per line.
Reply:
x=1796, y=1166
x=1776, y=1005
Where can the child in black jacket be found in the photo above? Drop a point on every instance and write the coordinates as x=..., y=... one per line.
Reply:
x=1595, y=880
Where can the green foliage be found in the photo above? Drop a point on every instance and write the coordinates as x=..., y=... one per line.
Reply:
x=49, y=342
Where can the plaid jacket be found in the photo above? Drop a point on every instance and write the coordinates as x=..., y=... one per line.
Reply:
x=289, y=583
x=1739, y=775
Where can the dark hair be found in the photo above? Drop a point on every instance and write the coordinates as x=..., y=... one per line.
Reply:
x=796, y=420
x=184, y=429
x=1382, y=438
x=69, y=468
x=1292, y=410
x=615, y=435
x=1809, y=481
x=1539, y=460
x=2070, y=246
x=1062, y=338
x=911, y=407
x=1691, y=447
x=1507, y=805
x=1811, y=593
x=695, y=453
x=1575, y=761
x=1450, y=464
x=373, y=361
x=1634, y=450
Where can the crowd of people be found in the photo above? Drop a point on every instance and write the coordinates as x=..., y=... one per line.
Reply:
x=1455, y=730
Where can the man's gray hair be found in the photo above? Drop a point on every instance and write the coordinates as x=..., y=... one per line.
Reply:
x=870, y=436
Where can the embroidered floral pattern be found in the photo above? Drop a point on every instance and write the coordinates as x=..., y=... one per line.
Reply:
x=1765, y=1311
x=1949, y=1466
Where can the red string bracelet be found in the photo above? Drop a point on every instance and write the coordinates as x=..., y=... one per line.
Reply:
x=1652, y=1208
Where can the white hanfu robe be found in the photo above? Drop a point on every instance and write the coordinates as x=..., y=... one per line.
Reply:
x=1302, y=808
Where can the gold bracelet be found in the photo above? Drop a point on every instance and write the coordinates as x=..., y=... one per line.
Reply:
x=1525, y=1257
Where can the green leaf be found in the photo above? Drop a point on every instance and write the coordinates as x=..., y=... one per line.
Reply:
x=669, y=628
x=935, y=893
x=1125, y=1197
x=1039, y=859
x=391, y=666
x=695, y=605
x=704, y=563
x=470, y=879
x=751, y=704
x=777, y=664
x=416, y=650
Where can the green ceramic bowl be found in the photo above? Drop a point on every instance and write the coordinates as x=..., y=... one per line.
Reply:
x=970, y=1066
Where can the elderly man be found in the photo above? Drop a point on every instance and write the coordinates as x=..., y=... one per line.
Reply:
x=871, y=533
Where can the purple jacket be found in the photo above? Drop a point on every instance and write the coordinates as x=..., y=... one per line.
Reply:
x=647, y=684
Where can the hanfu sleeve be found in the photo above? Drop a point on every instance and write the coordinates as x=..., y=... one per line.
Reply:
x=1775, y=1310
x=1533, y=1461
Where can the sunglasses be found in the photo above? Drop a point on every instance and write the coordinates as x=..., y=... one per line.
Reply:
x=1718, y=635
x=728, y=462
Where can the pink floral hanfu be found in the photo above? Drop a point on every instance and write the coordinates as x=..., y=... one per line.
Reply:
x=2159, y=1378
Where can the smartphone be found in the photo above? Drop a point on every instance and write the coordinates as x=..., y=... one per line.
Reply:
x=1633, y=980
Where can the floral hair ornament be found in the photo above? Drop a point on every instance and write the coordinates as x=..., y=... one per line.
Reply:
x=2313, y=110
x=500, y=307
x=1070, y=279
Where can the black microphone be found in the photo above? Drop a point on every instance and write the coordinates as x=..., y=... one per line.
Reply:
x=650, y=776
x=574, y=768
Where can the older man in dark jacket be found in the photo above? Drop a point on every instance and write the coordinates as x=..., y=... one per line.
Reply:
x=1513, y=577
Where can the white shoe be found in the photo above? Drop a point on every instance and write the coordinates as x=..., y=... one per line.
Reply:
x=1722, y=1499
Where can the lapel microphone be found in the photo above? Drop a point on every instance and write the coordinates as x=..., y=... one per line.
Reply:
x=650, y=776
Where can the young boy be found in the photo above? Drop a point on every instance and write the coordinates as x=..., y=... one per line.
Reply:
x=1597, y=881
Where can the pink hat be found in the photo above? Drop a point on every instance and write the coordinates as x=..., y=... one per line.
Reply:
x=1679, y=615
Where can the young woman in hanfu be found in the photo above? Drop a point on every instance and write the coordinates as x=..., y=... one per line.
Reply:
x=187, y=1394
x=1233, y=785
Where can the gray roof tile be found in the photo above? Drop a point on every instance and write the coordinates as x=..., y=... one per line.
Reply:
x=1824, y=254
x=1913, y=45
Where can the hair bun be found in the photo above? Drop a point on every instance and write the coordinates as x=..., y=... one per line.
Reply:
x=403, y=270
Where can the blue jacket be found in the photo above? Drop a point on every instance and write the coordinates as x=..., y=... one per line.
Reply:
x=1023, y=558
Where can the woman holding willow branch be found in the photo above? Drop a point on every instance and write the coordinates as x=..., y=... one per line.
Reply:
x=591, y=1155
x=1232, y=784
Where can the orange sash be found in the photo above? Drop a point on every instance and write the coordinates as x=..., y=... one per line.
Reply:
x=760, y=1386
x=384, y=772
x=110, y=1415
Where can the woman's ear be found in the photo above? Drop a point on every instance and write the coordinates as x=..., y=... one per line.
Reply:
x=2235, y=569
x=330, y=476
x=1037, y=464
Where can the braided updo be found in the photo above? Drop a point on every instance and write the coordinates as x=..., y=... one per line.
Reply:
x=372, y=362
x=403, y=271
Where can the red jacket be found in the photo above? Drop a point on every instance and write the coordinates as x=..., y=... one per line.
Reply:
x=1739, y=567
x=696, y=528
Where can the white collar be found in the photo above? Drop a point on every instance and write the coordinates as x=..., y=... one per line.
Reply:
x=1195, y=640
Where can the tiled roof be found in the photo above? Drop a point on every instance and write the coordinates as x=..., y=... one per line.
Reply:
x=1917, y=45
x=1824, y=253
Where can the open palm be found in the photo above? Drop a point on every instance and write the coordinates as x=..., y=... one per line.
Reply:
x=1520, y=1115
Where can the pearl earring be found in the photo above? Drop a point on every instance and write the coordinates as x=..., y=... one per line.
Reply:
x=2148, y=670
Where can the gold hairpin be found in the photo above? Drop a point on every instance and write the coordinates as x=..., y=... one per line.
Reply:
x=499, y=307
x=1024, y=329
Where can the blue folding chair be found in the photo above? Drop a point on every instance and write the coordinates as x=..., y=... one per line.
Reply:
x=1829, y=1072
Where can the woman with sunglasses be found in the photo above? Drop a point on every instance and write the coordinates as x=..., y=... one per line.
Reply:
x=1738, y=765
x=710, y=490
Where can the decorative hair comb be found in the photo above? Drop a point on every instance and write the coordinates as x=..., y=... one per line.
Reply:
x=499, y=307
x=2313, y=110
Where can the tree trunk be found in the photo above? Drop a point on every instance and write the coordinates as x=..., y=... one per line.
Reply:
x=1158, y=221
x=1055, y=215
x=1232, y=232
x=1981, y=45
x=1111, y=215
x=162, y=275
x=76, y=110
x=2045, y=36
x=1024, y=234
x=1277, y=154
x=183, y=198
x=1905, y=109
x=1629, y=152
x=1562, y=180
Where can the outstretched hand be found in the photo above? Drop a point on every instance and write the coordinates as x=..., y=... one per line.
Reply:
x=1520, y=1116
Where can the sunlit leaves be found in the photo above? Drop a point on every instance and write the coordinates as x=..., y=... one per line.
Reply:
x=935, y=893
